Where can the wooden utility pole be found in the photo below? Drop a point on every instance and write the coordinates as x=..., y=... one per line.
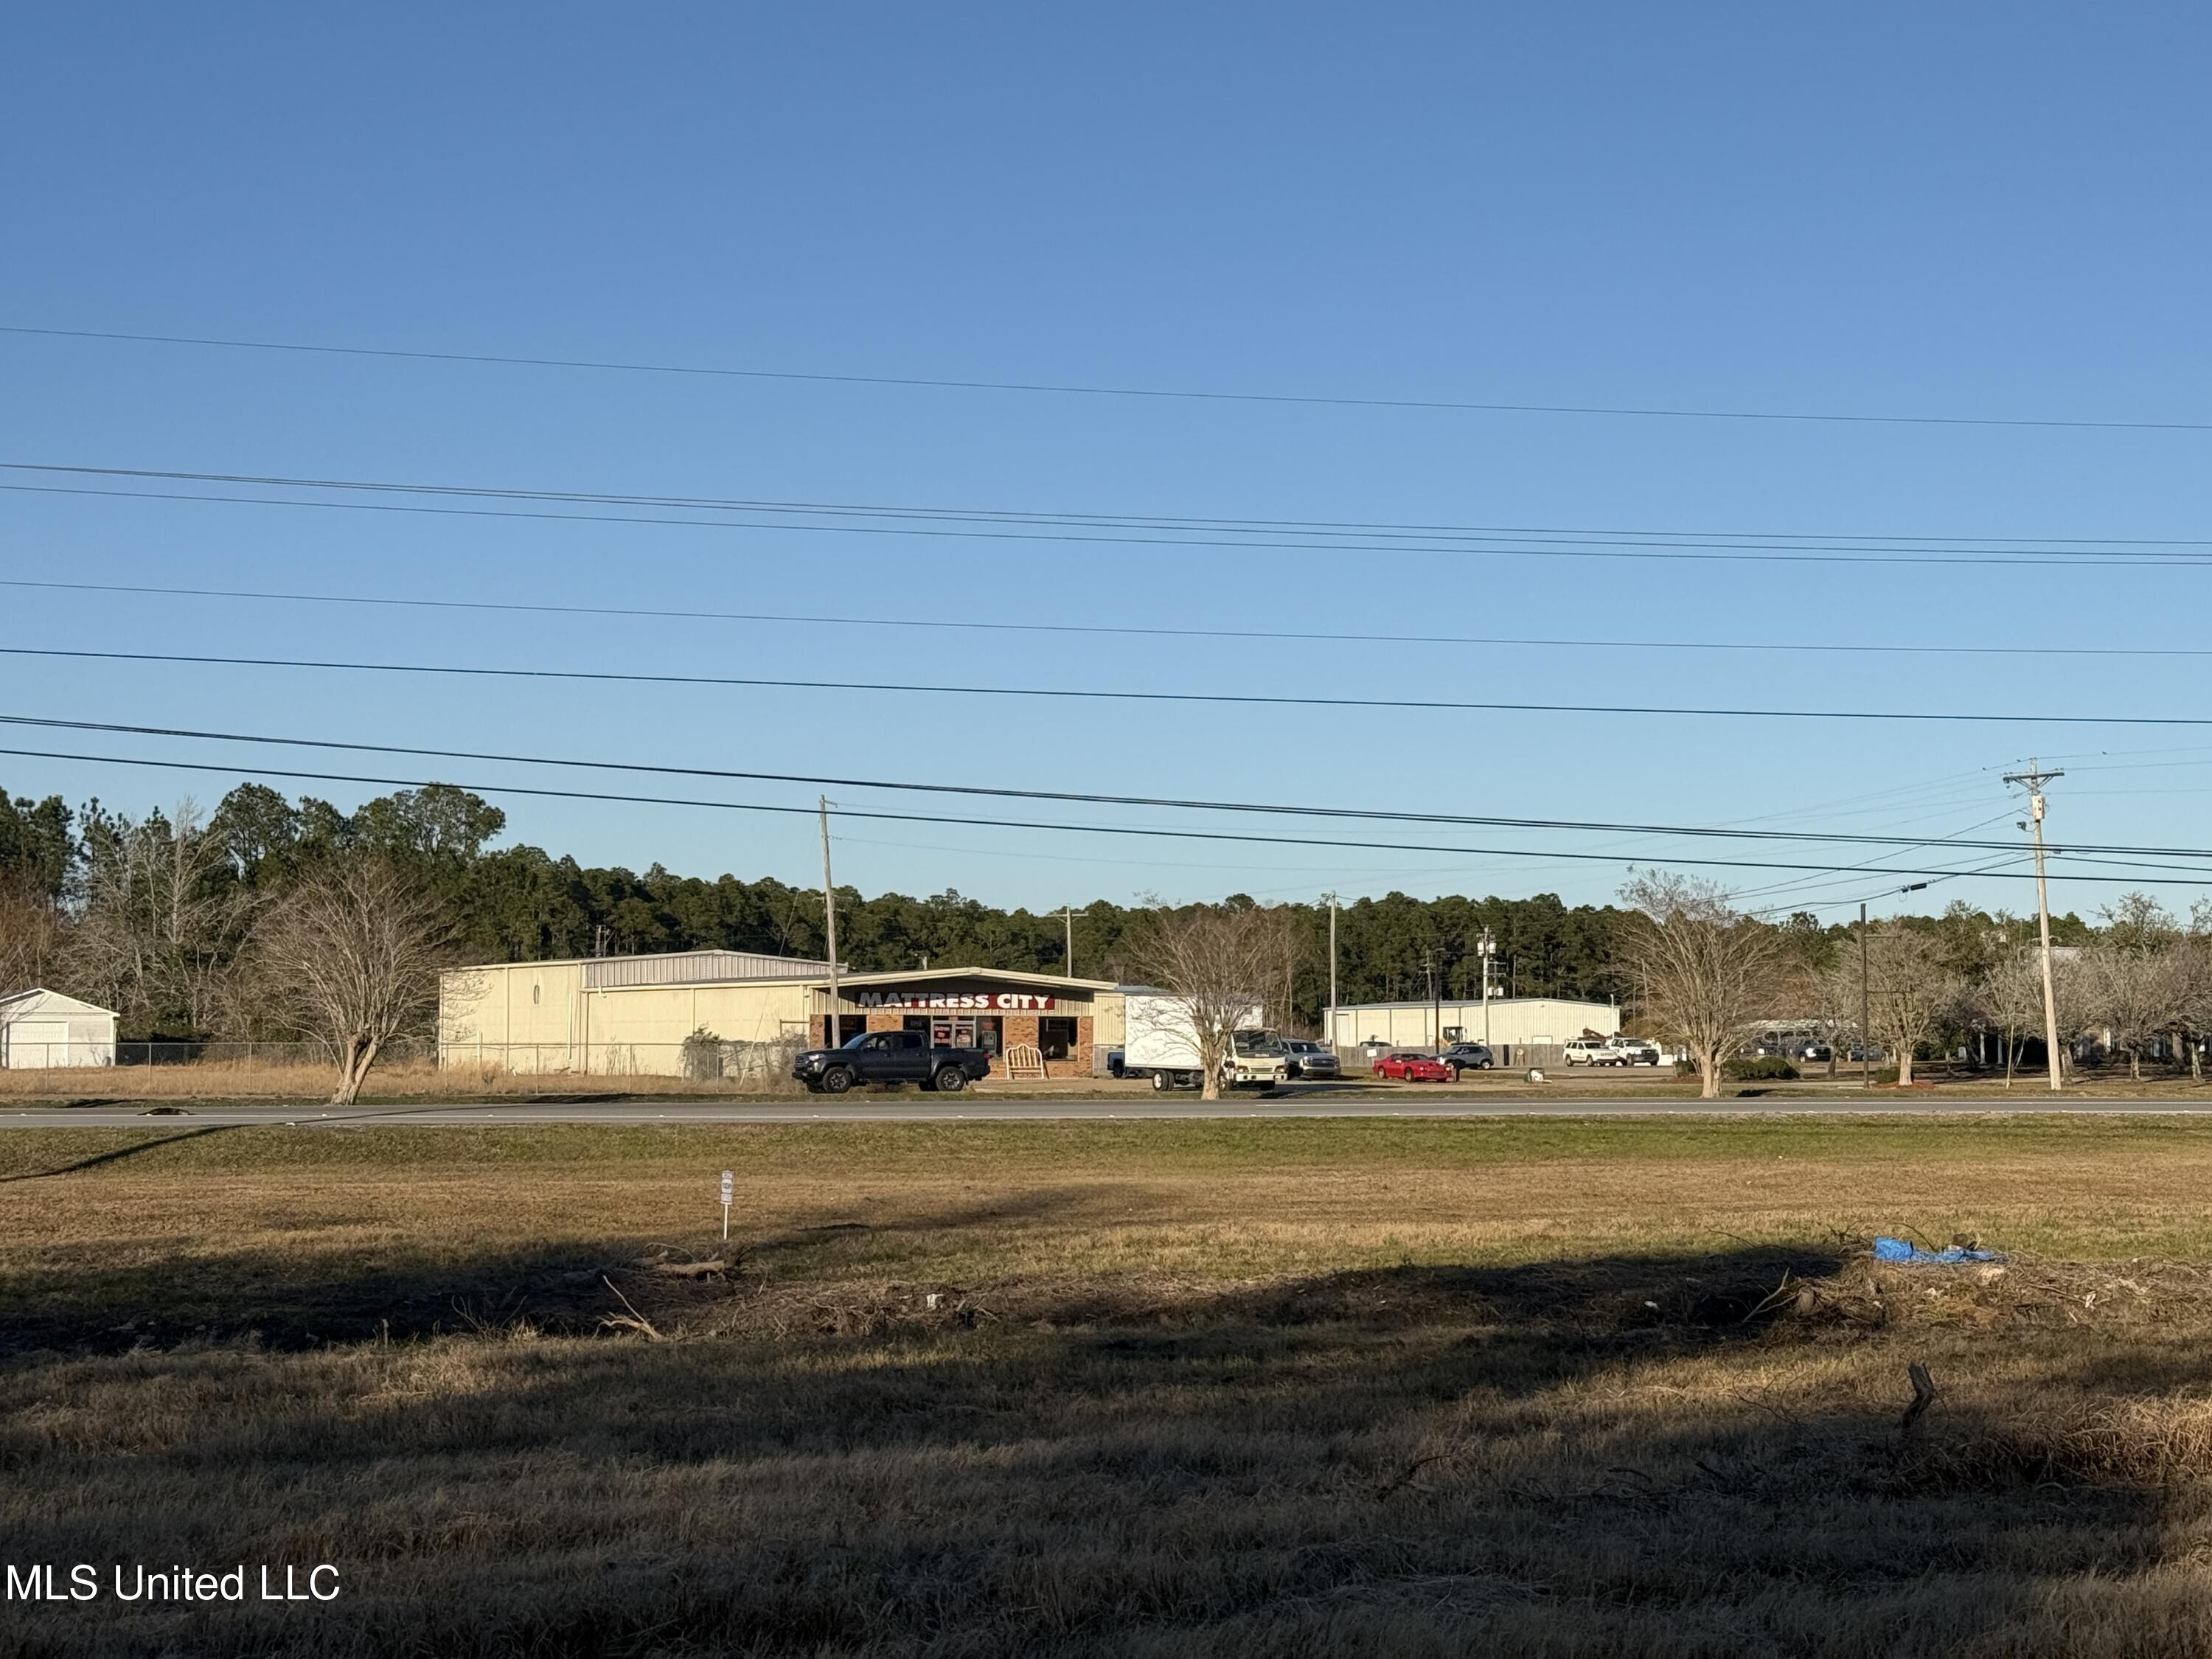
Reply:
x=2033, y=780
x=1330, y=1034
x=1437, y=1001
x=1866, y=1036
x=1488, y=950
x=1067, y=915
x=830, y=916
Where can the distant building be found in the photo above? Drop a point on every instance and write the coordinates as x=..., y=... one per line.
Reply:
x=1536, y=1022
x=40, y=1028
x=608, y=1016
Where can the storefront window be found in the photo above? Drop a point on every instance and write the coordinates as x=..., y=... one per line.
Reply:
x=1055, y=1038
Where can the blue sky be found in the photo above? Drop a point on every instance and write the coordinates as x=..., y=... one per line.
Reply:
x=1959, y=210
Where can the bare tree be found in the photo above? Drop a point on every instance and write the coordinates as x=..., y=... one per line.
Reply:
x=2193, y=970
x=30, y=938
x=163, y=920
x=1907, y=989
x=1216, y=963
x=1831, y=999
x=2010, y=995
x=1705, y=972
x=2138, y=981
x=349, y=957
x=2135, y=996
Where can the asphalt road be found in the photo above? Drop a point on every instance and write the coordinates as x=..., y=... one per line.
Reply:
x=479, y=1113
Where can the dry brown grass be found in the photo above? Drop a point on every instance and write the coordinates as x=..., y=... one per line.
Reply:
x=1558, y=1389
x=230, y=1079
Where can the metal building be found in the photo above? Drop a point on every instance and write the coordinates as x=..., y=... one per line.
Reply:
x=1535, y=1023
x=39, y=1028
x=735, y=1013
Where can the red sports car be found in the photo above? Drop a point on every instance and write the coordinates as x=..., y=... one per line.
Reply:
x=1413, y=1068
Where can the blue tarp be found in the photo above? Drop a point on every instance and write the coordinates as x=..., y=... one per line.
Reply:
x=1896, y=1250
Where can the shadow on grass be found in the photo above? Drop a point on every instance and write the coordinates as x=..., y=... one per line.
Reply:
x=1566, y=1456
x=116, y=1156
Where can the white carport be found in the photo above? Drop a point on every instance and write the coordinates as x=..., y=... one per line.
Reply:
x=39, y=1027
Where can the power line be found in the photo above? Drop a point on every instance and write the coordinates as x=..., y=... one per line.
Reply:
x=1891, y=892
x=1064, y=517
x=999, y=792
x=1801, y=887
x=1110, y=629
x=1147, y=832
x=1081, y=694
x=1081, y=390
x=1994, y=867
x=1476, y=545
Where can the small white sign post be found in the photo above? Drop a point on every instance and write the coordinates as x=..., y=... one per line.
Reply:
x=729, y=1188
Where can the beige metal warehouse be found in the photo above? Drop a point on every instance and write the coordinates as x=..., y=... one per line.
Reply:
x=738, y=1013
x=1532, y=1024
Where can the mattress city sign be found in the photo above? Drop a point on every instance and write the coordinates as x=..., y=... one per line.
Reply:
x=1023, y=1001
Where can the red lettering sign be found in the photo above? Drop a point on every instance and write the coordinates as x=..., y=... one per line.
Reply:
x=1026, y=1001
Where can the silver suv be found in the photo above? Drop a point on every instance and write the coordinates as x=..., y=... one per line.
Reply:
x=1635, y=1051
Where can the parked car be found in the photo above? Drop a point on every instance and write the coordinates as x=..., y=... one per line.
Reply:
x=1817, y=1051
x=890, y=1057
x=1635, y=1051
x=1467, y=1057
x=1311, y=1059
x=1592, y=1051
x=1410, y=1068
x=1860, y=1051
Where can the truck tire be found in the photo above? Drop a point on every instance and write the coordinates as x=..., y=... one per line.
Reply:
x=1160, y=1081
x=951, y=1079
x=837, y=1081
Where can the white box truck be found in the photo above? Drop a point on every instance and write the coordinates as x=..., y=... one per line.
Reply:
x=1158, y=1043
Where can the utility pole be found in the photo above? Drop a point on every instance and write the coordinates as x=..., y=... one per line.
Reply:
x=1068, y=916
x=1486, y=948
x=829, y=914
x=1437, y=1001
x=1866, y=1040
x=2034, y=779
x=1331, y=897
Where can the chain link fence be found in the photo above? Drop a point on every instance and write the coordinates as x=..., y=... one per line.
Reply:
x=699, y=1059
x=24, y=1054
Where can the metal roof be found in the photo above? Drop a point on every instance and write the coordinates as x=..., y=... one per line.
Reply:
x=694, y=967
x=1473, y=1002
x=912, y=976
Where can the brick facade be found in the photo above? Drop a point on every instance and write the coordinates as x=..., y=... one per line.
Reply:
x=1016, y=1028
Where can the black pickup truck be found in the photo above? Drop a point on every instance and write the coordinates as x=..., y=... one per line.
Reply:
x=890, y=1057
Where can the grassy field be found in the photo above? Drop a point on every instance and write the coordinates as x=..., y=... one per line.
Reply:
x=1546, y=1387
